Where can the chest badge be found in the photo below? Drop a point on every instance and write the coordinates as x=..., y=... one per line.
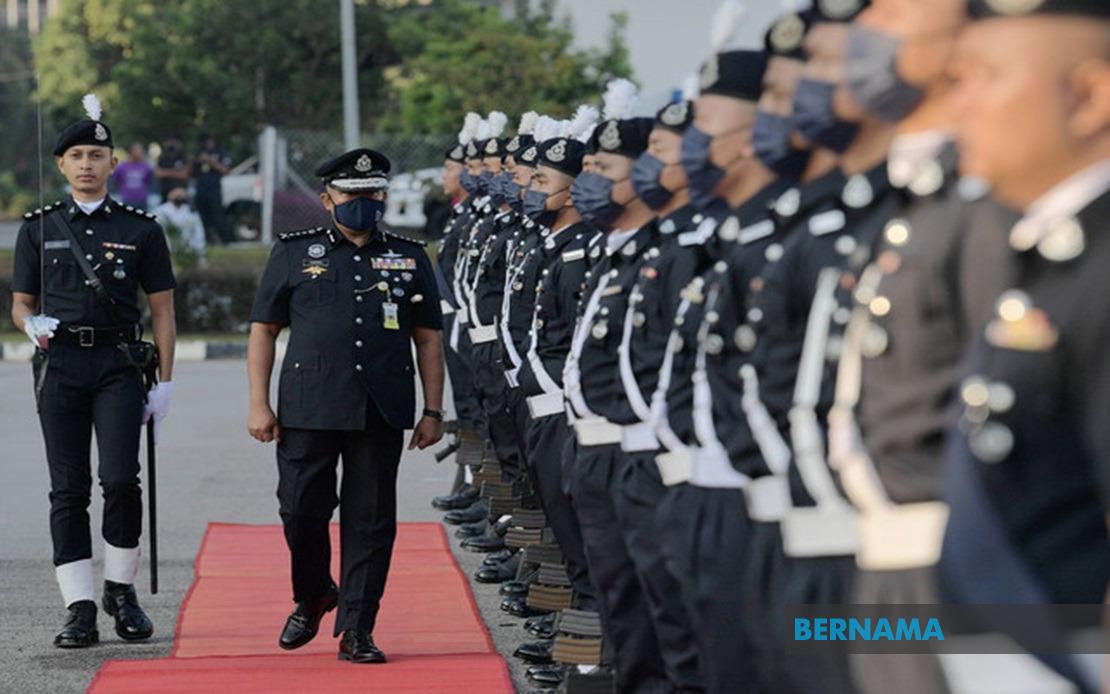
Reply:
x=395, y=263
x=1019, y=325
x=317, y=250
x=314, y=271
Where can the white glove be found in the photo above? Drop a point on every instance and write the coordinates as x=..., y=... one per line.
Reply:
x=40, y=329
x=158, y=405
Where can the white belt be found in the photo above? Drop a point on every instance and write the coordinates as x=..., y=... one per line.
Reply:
x=597, y=432
x=482, y=334
x=768, y=498
x=820, y=531
x=902, y=536
x=674, y=466
x=711, y=468
x=545, y=405
x=464, y=315
x=640, y=437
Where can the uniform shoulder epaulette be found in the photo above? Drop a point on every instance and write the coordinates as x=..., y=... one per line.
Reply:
x=43, y=210
x=301, y=234
x=139, y=213
x=394, y=235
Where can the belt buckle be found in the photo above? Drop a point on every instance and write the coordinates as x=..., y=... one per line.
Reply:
x=86, y=336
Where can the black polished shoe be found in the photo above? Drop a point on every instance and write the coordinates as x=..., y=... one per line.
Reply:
x=473, y=513
x=498, y=573
x=484, y=543
x=304, y=622
x=550, y=675
x=121, y=602
x=546, y=621
x=518, y=607
x=537, y=652
x=460, y=499
x=358, y=647
x=519, y=588
x=498, y=557
x=469, y=530
x=80, y=627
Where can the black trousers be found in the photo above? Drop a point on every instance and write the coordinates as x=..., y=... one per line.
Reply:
x=489, y=374
x=85, y=389
x=766, y=579
x=367, y=501
x=639, y=492
x=705, y=538
x=626, y=617
x=820, y=581
x=210, y=207
x=547, y=439
x=468, y=411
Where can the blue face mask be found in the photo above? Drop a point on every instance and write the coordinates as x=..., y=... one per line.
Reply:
x=470, y=183
x=702, y=176
x=535, y=208
x=816, y=120
x=593, y=198
x=871, y=75
x=498, y=190
x=359, y=214
x=512, y=194
x=771, y=141
x=485, y=180
x=645, y=179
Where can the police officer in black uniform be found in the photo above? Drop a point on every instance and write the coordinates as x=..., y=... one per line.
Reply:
x=356, y=298
x=88, y=368
x=605, y=197
x=1026, y=481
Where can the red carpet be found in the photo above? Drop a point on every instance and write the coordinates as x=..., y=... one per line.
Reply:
x=226, y=638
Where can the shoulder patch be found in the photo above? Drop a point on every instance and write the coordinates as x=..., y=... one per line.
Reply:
x=394, y=235
x=300, y=234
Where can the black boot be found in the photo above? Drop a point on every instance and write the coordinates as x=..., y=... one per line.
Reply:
x=302, y=625
x=358, y=647
x=80, y=627
x=121, y=602
x=479, y=510
x=499, y=573
x=469, y=530
x=460, y=499
x=536, y=652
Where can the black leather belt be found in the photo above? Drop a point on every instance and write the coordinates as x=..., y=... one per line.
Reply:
x=87, y=336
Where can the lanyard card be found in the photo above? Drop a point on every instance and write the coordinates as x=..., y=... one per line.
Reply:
x=389, y=316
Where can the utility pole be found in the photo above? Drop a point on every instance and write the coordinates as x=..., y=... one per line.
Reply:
x=350, y=77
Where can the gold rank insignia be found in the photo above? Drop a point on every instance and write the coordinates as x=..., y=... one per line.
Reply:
x=314, y=270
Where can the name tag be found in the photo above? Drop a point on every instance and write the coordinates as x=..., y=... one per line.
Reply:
x=571, y=256
x=756, y=231
x=393, y=263
x=54, y=245
x=827, y=222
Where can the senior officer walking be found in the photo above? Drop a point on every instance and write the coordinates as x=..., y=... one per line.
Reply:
x=355, y=297
x=79, y=264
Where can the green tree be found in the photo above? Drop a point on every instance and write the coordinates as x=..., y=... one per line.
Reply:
x=18, y=136
x=222, y=66
x=458, y=56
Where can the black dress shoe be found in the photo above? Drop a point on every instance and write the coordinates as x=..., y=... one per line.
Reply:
x=80, y=627
x=519, y=588
x=121, y=602
x=546, y=621
x=304, y=622
x=477, y=511
x=538, y=652
x=468, y=530
x=518, y=607
x=460, y=499
x=358, y=647
x=484, y=543
x=498, y=557
x=498, y=573
x=547, y=674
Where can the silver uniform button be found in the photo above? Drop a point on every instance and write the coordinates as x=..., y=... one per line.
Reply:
x=358, y=320
x=875, y=342
x=714, y=344
x=358, y=258
x=358, y=298
x=89, y=232
x=773, y=253
x=358, y=343
x=745, y=338
x=358, y=278
x=639, y=319
x=358, y=367
x=992, y=442
x=600, y=330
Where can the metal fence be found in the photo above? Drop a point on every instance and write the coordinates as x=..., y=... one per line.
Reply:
x=288, y=192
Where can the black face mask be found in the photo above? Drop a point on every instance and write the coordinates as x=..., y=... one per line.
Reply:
x=816, y=119
x=645, y=180
x=361, y=215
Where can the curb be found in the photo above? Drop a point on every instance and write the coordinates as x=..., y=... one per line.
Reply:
x=186, y=350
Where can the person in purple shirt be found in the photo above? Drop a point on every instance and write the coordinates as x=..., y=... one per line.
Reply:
x=132, y=178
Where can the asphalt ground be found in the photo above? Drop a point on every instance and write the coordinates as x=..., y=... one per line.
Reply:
x=209, y=470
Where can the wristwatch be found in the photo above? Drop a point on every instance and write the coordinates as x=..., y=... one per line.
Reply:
x=434, y=414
